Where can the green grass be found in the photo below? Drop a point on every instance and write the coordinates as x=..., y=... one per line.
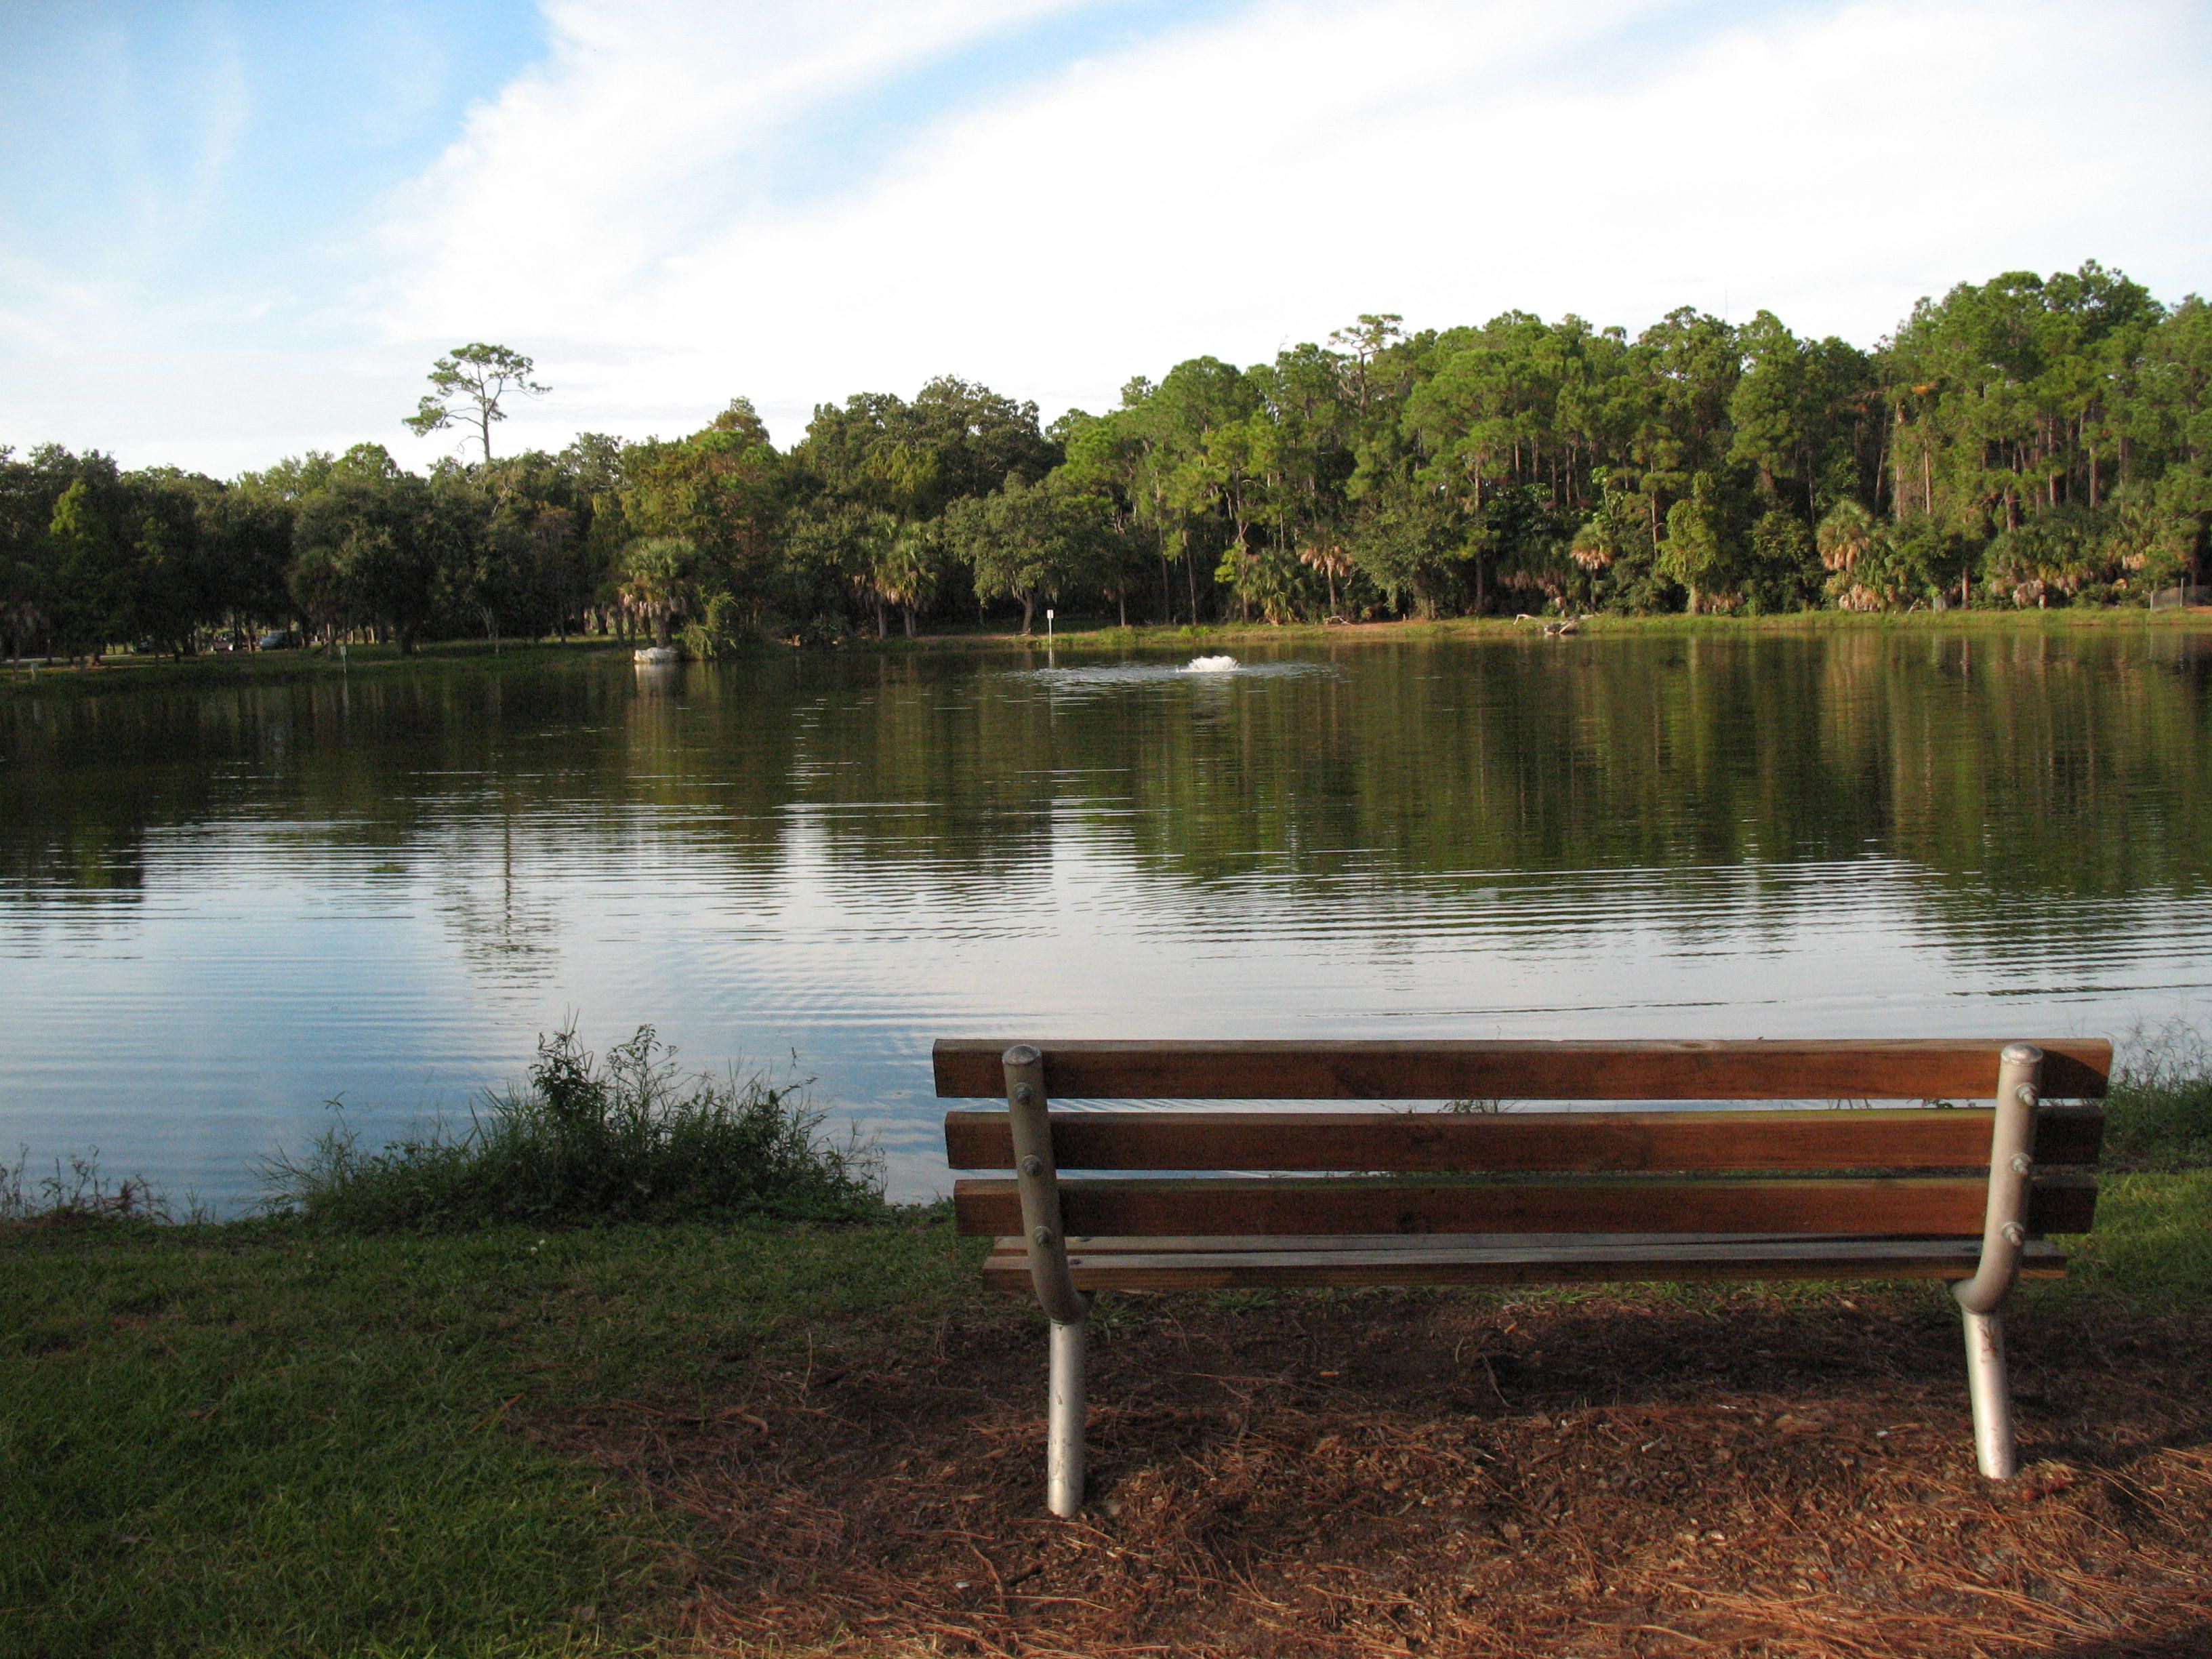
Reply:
x=275, y=1438
x=1092, y=635
x=270, y=1438
x=2152, y=1245
x=125, y=671
x=2158, y=1113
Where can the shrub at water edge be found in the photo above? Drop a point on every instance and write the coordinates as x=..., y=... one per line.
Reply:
x=628, y=1138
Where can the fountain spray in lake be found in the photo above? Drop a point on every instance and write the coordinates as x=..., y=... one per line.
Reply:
x=1221, y=664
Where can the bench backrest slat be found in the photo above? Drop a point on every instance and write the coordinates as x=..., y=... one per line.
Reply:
x=1898, y=1206
x=1839, y=1169
x=1950, y=1137
x=2074, y=1068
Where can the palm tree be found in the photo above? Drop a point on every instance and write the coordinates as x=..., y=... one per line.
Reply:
x=657, y=582
x=1846, y=535
x=906, y=572
x=1595, y=546
x=1332, y=560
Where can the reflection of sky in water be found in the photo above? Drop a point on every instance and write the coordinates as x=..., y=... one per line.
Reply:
x=269, y=959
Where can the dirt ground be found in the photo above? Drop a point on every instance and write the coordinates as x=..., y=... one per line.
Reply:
x=1738, y=1474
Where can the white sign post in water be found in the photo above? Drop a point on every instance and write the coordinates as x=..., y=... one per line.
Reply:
x=1047, y=625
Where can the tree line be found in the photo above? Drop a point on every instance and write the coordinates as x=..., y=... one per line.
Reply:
x=2025, y=441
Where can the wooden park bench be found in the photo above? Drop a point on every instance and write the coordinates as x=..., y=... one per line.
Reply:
x=1847, y=1190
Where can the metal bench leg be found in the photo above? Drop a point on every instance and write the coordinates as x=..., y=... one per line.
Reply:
x=1064, y=1420
x=1067, y=1308
x=2004, y=1234
x=1989, y=1391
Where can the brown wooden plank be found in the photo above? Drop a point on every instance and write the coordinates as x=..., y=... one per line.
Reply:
x=1449, y=1243
x=1575, y=1260
x=1924, y=1137
x=1909, y=1069
x=1875, y=1206
x=1422, y=1246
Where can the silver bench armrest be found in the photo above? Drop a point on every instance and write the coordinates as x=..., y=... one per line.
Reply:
x=1038, y=1178
x=2012, y=1166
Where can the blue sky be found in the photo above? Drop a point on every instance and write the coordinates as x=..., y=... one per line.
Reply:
x=230, y=232
x=248, y=128
x=218, y=154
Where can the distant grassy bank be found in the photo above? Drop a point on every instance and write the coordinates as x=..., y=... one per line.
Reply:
x=279, y=667
x=1086, y=636
x=125, y=672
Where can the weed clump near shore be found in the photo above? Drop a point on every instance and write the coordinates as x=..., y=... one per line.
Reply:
x=80, y=1194
x=2159, y=1113
x=623, y=1138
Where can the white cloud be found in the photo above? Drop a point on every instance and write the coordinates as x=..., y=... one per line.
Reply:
x=685, y=201
x=1232, y=187
x=576, y=188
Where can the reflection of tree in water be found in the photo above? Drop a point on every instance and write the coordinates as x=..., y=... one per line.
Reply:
x=1601, y=754
x=493, y=904
x=2040, y=779
x=1991, y=766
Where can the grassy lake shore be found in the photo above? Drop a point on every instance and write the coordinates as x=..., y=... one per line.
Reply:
x=281, y=667
x=292, y=1434
x=388, y=1423
x=1097, y=635
x=125, y=672
x=272, y=1437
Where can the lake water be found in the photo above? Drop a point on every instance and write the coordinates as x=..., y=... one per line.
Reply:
x=220, y=908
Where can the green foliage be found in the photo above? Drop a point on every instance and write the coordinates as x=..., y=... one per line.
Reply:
x=1032, y=542
x=367, y=542
x=91, y=602
x=720, y=633
x=836, y=551
x=724, y=490
x=1405, y=547
x=2026, y=442
x=77, y=1193
x=907, y=570
x=659, y=582
x=467, y=387
x=1779, y=577
x=1695, y=553
x=589, y=1140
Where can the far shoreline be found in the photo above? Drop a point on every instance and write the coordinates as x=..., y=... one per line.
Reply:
x=126, y=671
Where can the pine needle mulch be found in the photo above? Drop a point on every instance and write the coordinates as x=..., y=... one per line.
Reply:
x=1384, y=1474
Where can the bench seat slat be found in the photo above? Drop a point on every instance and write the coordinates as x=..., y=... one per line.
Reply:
x=1167, y=1264
x=1818, y=1139
x=2074, y=1068
x=1889, y=1206
x=1436, y=1243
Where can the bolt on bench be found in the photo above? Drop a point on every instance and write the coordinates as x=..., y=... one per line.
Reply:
x=1841, y=1191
